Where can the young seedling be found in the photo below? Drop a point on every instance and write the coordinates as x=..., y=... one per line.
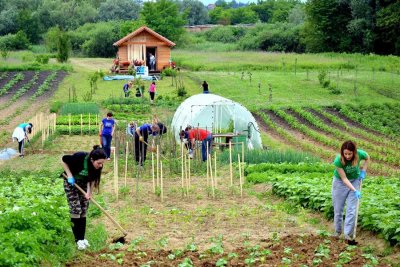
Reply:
x=344, y=257
x=187, y=262
x=133, y=246
x=162, y=242
x=221, y=262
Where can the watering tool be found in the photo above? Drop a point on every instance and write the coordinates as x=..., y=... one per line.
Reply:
x=120, y=239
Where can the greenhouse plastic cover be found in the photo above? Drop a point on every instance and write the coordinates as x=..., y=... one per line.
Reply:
x=215, y=113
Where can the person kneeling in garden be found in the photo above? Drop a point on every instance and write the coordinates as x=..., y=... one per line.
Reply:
x=346, y=187
x=84, y=169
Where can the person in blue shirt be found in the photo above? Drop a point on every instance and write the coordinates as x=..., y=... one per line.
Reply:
x=346, y=187
x=130, y=129
x=20, y=134
x=127, y=88
x=107, y=132
x=141, y=137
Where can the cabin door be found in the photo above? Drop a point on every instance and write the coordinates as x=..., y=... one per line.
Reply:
x=150, y=53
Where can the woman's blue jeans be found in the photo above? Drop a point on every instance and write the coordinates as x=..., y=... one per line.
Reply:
x=204, y=143
x=106, y=140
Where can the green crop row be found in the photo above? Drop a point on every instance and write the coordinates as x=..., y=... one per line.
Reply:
x=310, y=147
x=45, y=85
x=4, y=75
x=76, y=120
x=79, y=108
x=133, y=108
x=375, y=151
x=11, y=83
x=23, y=89
x=294, y=123
x=77, y=130
x=292, y=139
x=34, y=228
x=354, y=130
x=290, y=168
x=383, y=118
x=380, y=203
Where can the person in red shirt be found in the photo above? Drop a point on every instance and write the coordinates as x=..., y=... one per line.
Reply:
x=200, y=135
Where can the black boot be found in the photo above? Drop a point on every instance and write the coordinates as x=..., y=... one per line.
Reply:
x=75, y=224
x=82, y=230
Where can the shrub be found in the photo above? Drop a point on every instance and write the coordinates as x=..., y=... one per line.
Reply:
x=169, y=72
x=18, y=41
x=63, y=47
x=281, y=37
x=321, y=76
x=55, y=106
x=42, y=58
x=181, y=91
x=224, y=34
x=96, y=40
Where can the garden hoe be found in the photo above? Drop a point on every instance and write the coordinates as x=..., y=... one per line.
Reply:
x=120, y=239
x=353, y=242
x=29, y=142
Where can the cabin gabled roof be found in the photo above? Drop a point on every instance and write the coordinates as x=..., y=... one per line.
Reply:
x=140, y=30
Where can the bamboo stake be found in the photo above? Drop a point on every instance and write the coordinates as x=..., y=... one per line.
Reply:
x=215, y=170
x=240, y=177
x=41, y=127
x=55, y=122
x=115, y=174
x=189, y=174
x=161, y=182
x=208, y=170
x=230, y=162
x=183, y=186
x=81, y=123
x=152, y=172
x=243, y=158
x=158, y=167
x=126, y=160
x=186, y=174
x=69, y=123
x=211, y=176
x=36, y=126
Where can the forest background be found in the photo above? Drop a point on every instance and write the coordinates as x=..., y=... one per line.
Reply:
x=89, y=28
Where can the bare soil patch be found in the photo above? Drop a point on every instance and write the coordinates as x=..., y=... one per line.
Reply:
x=290, y=250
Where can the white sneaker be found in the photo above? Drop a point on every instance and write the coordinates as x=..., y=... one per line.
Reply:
x=81, y=245
x=86, y=243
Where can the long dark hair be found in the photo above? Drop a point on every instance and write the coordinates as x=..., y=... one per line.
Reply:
x=93, y=173
x=351, y=146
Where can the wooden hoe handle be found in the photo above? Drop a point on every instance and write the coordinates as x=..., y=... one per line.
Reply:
x=101, y=208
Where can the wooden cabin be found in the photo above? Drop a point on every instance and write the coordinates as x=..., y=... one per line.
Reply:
x=138, y=47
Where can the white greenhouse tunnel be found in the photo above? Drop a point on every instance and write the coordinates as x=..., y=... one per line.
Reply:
x=216, y=114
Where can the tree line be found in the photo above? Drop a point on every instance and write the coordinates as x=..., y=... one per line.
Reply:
x=91, y=26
